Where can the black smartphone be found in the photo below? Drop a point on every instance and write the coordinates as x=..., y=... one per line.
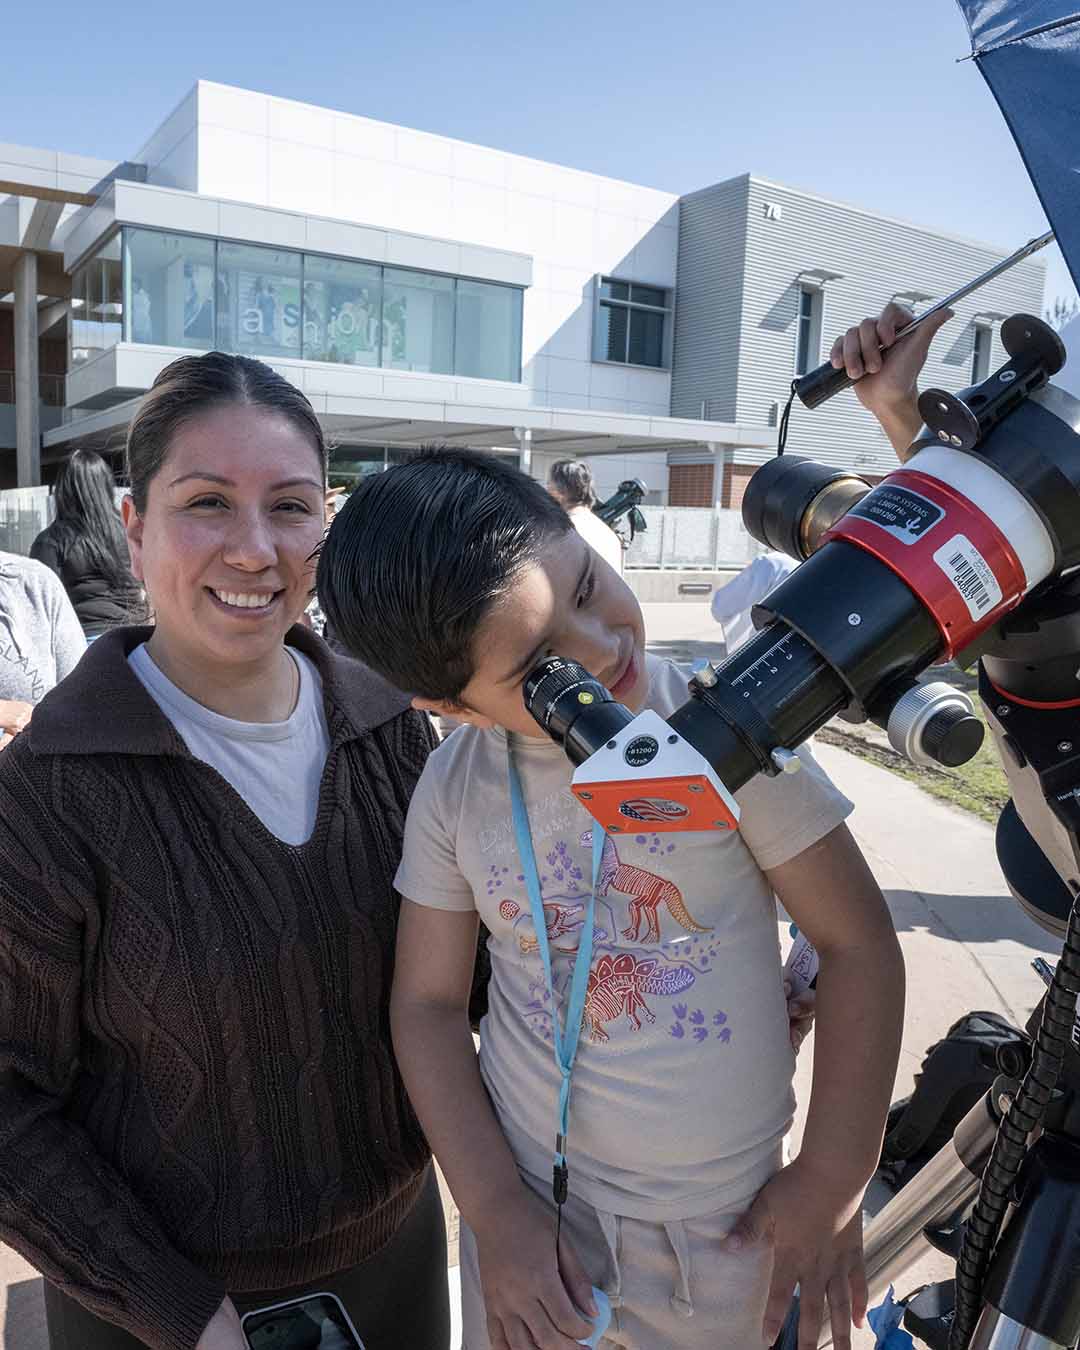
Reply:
x=315, y=1322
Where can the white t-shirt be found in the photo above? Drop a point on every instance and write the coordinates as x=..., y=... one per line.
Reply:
x=682, y=1087
x=276, y=767
x=597, y=535
x=731, y=604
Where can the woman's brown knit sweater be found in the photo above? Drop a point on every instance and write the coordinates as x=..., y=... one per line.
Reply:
x=197, y=1090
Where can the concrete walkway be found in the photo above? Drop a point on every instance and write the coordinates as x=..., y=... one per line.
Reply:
x=966, y=943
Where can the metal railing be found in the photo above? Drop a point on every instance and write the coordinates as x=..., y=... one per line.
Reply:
x=692, y=538
x=50, y=389
x=24, y=513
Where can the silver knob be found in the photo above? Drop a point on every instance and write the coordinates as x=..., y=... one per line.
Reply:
x=787, y=761
x=704, y=672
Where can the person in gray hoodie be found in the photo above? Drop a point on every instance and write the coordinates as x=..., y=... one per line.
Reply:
x=41, y=640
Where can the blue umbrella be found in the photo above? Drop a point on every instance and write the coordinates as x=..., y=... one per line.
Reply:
x=1029, y=54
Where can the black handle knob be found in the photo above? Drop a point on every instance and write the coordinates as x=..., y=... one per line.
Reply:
x=819, y=385
x=952, y=736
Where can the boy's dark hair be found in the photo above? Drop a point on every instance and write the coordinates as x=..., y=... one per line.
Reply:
x=419, y=554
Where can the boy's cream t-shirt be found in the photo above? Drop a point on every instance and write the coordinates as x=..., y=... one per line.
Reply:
x=682, y=1086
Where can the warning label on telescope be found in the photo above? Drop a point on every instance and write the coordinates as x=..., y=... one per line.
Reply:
x=904, y=514
x=970, y=573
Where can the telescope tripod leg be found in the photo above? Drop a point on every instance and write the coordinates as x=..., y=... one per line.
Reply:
x=894, y=1238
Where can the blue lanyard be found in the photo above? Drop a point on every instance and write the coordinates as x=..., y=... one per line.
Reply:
x=565, y=1041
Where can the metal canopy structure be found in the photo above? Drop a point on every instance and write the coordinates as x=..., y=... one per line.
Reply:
x=374, y=421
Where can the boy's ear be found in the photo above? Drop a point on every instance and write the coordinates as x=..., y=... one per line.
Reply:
x=443, y=707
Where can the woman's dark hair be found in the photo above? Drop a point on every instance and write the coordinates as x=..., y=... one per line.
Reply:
x=86, y=516
x=418, y=555
x=572, y=479
x=193, y=385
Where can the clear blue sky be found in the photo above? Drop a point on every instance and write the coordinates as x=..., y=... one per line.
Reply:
x=861, y=100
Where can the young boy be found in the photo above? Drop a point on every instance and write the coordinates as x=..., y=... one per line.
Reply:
x=453, y=575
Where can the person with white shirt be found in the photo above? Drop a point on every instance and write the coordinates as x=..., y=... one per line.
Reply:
x=570, y=482
x=733, y=603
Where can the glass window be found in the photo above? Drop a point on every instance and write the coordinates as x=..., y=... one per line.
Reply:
x=78, y=333
x=258, y=300
x=94, y=330
x=614, y=325
x=646, y=346
x=808, y=325
x=180, y=290
x=487, y=341
x=648, y=295
x=629, y=323
x=418, y=322
x=169, y=281
x=341, y=311
x=97, y=308
x=980, y=353
x=351, y=464
x=110, y=288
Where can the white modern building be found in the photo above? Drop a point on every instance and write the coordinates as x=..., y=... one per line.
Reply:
x=420, y=290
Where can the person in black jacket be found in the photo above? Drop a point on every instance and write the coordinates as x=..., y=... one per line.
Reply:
x=86, y=548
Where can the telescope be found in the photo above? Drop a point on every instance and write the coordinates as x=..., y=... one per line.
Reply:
x=624, y=501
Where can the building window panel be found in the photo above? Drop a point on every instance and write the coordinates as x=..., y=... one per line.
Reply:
x=629, y=323
x=982, y=338
x=808, y=330
x=78, y=333
x=110, y=306
x=487, y=343
x=351, y=464
x=169, y=287
x=258, y=295
x=184, y=291
x=646, y=340
x=342, y=303
x=97, y=304
x=418, y=322
x=614, y=329
x=95, y=309
x=648, y=295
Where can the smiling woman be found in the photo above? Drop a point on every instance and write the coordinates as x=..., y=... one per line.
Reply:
x=198, y=835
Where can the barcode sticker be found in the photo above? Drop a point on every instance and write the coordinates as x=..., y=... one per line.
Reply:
x=971, y=574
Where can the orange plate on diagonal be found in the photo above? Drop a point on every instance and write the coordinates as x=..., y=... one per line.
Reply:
x=661, y=804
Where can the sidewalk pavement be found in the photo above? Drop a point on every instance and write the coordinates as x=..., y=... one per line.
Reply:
x=966, y=943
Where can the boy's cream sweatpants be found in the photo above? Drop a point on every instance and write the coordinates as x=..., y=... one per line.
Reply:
x=670, y=1286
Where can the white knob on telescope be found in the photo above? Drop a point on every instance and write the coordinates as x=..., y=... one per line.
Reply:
x=704, y=672
x=787, y=761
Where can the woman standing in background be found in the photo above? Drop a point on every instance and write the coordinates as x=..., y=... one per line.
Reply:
x=86, y=548
x=40, y=639
x=570, y=482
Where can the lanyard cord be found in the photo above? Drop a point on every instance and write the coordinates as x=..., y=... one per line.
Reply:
x=565, y=1041
x=785, y=417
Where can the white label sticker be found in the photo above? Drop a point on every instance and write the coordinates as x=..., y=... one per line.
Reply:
x=971, y=574
x=904, y=514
